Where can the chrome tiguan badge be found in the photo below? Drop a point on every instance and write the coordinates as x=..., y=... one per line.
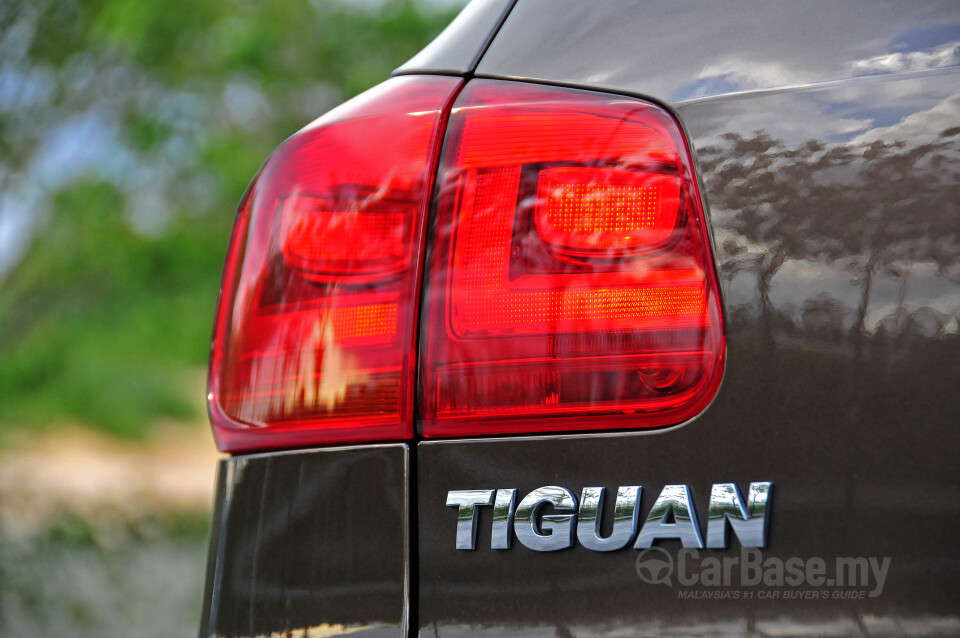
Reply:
x=672, y=517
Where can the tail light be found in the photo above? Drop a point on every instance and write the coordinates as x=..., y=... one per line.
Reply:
x=569, y=281
x=315, y=332
x=570, y=284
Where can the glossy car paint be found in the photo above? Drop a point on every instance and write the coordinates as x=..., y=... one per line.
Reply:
x=310, y=541
x=458, y=48
x=676, y=52
x=828, y=139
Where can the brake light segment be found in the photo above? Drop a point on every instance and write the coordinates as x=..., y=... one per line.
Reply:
x=570, y=284
x=315, y=333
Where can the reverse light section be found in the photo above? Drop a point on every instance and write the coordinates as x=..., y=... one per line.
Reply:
x=314, y=340
x=570, y=284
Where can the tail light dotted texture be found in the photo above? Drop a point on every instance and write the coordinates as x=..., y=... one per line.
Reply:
x=570, y=284
x=315, y=334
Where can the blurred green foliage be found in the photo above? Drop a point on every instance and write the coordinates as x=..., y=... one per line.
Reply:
x=128, y=131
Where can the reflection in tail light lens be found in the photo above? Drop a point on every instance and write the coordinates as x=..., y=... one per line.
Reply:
x=315, y=334
x=570, y=284
x=337, y=245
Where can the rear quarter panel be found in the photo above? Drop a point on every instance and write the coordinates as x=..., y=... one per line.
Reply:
x=831, y=173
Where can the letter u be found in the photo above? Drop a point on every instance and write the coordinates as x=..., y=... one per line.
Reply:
x=625, y=516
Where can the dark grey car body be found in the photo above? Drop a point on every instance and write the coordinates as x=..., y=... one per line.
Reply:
x=828, y=142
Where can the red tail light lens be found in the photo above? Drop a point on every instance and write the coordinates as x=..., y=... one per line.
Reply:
x=315, y=334
x=570, y=285
x=336, y=245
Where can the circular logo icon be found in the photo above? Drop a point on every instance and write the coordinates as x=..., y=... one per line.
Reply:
x=655, y=566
